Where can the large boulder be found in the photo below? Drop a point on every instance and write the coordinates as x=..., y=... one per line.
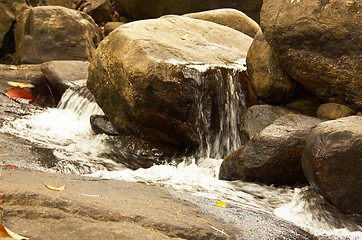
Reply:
x=230, y=18
x=153, y=77
x=332, y=162
x=272, y=156
x=319, y=43
x=7, y=21
x=269, y=81
x=143, y=9
x=258, y=117
x=54, y=33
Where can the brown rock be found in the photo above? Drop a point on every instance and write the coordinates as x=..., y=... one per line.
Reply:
x=56, y=33
x=332, y=111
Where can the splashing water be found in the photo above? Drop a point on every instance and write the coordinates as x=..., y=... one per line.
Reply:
x=67, y=131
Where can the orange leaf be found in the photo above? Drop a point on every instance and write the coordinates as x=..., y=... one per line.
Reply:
x=1, y=201
x=12, y=166
x=54, y=188
x=5, y=232
x=20, y=95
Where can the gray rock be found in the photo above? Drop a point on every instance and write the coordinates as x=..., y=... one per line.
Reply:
x=319, y=43
x=63, y=74
x=272, y=156
x=258, y=117
x=143, y=9
x=147, y=76
x=55, y=33
x=229, y=17
x=332, y=111
x=332, y=162
x=269, y=81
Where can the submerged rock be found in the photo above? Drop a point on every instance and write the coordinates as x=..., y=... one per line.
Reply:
x=54, y=33
x=332, y=162
x=319, y=43
x=151, y=78
x=272, y=156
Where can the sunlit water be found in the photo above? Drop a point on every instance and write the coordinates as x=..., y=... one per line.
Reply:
x=66, y=130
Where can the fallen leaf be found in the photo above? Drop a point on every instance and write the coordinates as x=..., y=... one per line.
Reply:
x=54, y=188
x=21, y=84
x=1, y=201
x=221, y=204
x=12, y=166
x=5, y=232
x=185, y=37
x=3, y=154
x=20, y=95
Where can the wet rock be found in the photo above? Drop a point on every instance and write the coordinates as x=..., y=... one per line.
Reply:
x=6, y=33
x=269, y=81
x=319, y=44
x=258, y=117
x=147, y=76
x=64, y=74
x=332, y=162
x=100, y=124
x=56, y=33
x=272, y=156
x=229, y=17
x=332, y=111
x=143, y=9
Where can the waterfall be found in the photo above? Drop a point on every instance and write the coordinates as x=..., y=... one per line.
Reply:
x=220, y=103
x=80, y=101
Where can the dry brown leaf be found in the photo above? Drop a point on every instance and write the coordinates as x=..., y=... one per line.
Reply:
x=54, y=188
x=21, y=84
x=5, y=232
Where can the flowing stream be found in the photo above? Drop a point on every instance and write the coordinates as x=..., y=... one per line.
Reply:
x=66, y=130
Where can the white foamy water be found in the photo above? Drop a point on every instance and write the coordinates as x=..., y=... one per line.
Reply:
x=67, y=132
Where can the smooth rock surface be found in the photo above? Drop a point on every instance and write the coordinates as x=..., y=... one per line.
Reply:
x=332, y=162
x=55, y=33
x=274, y=155
x=332, y=111
x=258, y=117
x=268, y=79
x=319, y=43
x=229, y=17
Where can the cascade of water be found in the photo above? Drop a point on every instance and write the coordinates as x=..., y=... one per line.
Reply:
x=80, y=101
x=220, y=102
